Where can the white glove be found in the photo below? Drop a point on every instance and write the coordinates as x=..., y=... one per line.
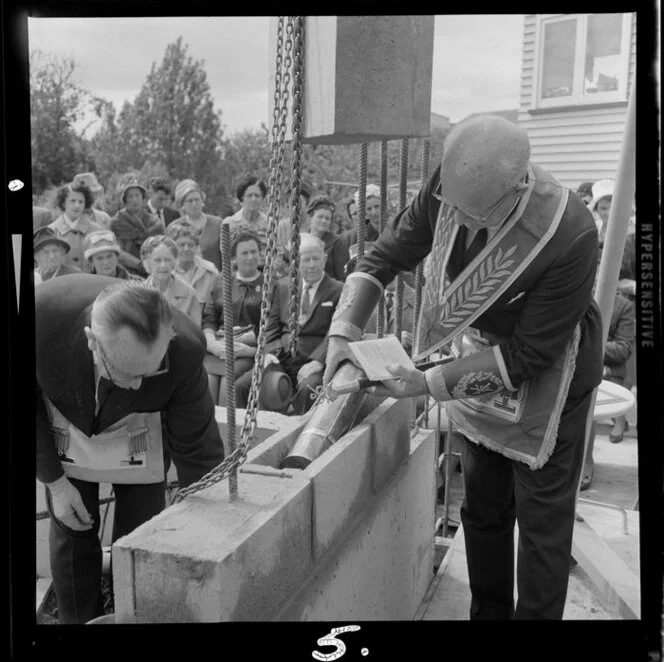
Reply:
x=68, y=505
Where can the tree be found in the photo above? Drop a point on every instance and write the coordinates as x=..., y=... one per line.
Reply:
x=173, y=123
x=57, y=103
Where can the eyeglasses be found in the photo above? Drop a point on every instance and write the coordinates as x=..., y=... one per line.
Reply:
x=482, y=220
x=163, y=368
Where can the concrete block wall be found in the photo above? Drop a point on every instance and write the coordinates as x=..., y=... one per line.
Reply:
x=353, y=532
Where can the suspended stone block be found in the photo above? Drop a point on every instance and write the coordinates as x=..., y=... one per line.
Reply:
x=367, y=78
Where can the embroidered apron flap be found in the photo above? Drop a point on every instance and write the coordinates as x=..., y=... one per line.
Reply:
x=128, y=451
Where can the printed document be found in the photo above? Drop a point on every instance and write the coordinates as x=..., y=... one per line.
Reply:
x=374, y=355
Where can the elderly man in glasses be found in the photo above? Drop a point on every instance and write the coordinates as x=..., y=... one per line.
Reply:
x=120, y=389
x=512, y=259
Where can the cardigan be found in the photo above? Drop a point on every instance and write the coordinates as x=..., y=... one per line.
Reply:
x=246, y=297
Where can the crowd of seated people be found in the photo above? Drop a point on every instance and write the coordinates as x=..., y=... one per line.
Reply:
x=166, y=236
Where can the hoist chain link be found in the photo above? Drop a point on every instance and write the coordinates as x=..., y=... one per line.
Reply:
x=296, y=168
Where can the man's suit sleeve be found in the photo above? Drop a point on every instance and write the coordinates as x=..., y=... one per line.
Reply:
x=49, y=467
x=552, y=310
x=193, y=435
x=320, y=352
x=274, y=326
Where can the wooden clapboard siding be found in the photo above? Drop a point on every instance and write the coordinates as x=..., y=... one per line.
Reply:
x=575, y=143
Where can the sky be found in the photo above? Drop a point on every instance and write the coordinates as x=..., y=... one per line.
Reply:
x=114, y=57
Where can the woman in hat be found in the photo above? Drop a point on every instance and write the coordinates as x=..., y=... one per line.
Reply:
x=94, y=213
x=250, y=193
x=191, y=267
x=159, y=254
x=132, y=225
x=49, y=251
x=320, y=211
x=190, y=200
x=72, y=226
x=600, y=205
x=101, y=250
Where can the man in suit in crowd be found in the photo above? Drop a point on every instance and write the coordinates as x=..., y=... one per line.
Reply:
x=319, y=298
x=159, y=195
x=120, y=390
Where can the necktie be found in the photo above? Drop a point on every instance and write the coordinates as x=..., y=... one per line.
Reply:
x=478, y=243
x=305, y=309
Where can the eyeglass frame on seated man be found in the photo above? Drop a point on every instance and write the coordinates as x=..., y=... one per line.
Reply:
x=481, y=220
x=161, y=370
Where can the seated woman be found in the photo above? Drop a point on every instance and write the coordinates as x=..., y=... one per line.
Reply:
x=101, y=251
x=190, y=200
x=251, y=192
x=619, y=347
x=320, y=211
x=247, y=291
x=49, y=251
x=132, y=225
x=72, y=226
x=191, y=267
x=159, y=255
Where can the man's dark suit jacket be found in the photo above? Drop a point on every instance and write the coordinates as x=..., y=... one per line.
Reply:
x=169, y=214
x=313, y=334
x=65, y=374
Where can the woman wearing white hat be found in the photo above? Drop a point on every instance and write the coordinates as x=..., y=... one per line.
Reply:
x=190, y=200
x=132, y=225
x=600, y=205
x=101, y=250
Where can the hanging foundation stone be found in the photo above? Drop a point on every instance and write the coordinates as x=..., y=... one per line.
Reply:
x=367, y=78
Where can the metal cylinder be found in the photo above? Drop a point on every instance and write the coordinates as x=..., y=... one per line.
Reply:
x=328, y=422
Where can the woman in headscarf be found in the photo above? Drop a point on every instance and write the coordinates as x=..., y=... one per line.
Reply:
x=320, y=211
x=250, y=193
x=132, y=225
x=102, y=252
x=159, y=255
x=72, y=226
x=191, y=267
x=190, y=201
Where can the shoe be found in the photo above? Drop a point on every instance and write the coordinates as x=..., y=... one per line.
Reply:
x=617, y=438
x=585, y=482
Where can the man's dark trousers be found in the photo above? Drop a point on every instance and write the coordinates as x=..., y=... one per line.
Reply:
x=76, y=556
x=500, y=490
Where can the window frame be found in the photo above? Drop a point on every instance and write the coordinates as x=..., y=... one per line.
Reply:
x=578, y=98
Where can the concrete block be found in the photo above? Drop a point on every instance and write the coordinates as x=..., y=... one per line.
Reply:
x=210, y=559
x=390, y=424
x=367, y=78
x=381, y=568
x=341, y=479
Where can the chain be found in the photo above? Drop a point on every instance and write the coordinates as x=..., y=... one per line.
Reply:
x=237, y=456
x=296, y=168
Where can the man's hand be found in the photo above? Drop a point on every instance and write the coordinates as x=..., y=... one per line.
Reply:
x=408, y=383
x=217, y=348
x=338, y=350
x=308, y=369
x=68, y=506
